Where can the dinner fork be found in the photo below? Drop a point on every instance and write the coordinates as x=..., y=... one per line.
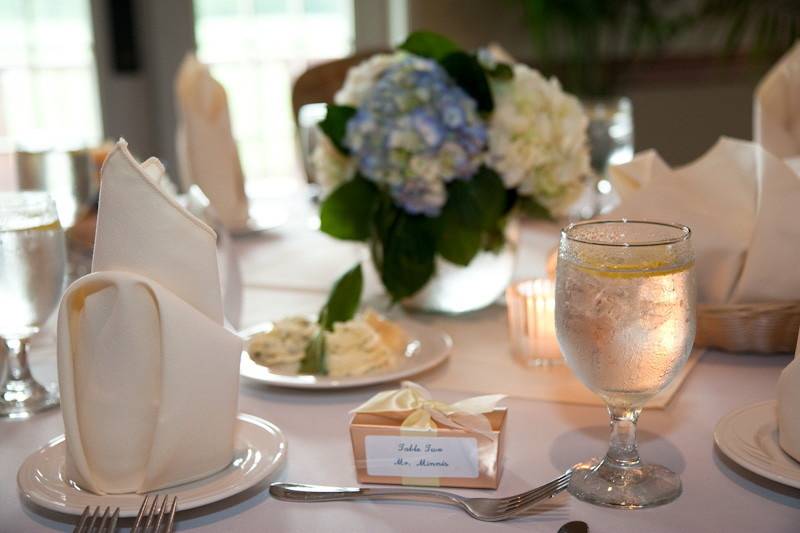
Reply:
x=488, y=509
x=155, y=517
x=91, y=521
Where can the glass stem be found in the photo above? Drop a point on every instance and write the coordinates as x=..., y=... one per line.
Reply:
x=20, y=394
x=623, y=451
x=16, y=361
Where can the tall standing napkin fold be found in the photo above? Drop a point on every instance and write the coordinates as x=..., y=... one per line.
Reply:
x=789, y=407
x=740, y=202
x=776, y=111
x=776, y=121
x=207, y=152
x=148, y=374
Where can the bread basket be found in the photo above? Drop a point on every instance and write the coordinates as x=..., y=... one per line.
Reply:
x=754, y=328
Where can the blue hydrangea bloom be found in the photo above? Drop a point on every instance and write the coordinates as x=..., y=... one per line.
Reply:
x=416, y=131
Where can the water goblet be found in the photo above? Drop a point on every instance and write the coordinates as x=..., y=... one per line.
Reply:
x=32, y=272
x=625, y=322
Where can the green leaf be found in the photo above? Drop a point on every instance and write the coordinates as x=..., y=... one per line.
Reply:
x=334, y=125
x=469, y=75
x=347, y=212
x=533, y=209
x=501, y=71
x=457, y=242
x=429, y=44
x=479, y=201
x=386, y=214
x=341, y=306
x=314, y=360
x=343, y=300
x=495, y=239
x=406, y=251
x=488, y=190
x=463, y=204
x=511, y=200
x=473, y=208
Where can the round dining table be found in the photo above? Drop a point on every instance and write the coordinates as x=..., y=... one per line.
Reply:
x=289, y=270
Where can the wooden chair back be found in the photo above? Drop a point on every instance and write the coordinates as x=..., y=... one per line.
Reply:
x=320, y=82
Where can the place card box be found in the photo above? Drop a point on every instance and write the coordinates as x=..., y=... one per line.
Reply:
x=388, y=454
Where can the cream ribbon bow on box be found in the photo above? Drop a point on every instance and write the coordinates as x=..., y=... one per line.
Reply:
x=776, y=110
x=149, y=376
x=207, y=153
x=414, y=405
x=741, y=204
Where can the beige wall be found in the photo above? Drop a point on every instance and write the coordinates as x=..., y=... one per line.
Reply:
x=681, y=116
x=473, y=23
x=683, y=121
x=140, y=106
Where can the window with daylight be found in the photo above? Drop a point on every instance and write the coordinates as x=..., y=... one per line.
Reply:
x=48, y=83
x=255, y=48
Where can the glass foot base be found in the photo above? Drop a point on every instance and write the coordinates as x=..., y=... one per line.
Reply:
x=629, y=488
x=21, y=399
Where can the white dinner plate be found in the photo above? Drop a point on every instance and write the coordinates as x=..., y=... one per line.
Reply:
x=427, y=348
x=260, y=449
x=749, y=436
x=262, y=216
x=261, y=219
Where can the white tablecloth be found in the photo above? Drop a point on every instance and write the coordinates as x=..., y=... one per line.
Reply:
x=543, y=439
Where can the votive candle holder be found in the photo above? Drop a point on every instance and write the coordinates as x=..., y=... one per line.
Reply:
x=531, y=321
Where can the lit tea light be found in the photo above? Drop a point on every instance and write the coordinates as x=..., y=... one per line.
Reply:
x=531, y=320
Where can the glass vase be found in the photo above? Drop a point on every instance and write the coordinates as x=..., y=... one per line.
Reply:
x=456, y=289
x=610, y=133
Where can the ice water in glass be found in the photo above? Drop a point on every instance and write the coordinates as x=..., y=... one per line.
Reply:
x=32, y=273
x=625, y=322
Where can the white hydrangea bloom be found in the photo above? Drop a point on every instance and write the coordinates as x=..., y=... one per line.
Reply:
x=537, y=139
x=331, y=167
x=361, y=78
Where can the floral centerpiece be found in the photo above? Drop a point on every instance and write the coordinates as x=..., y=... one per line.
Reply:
x=428, y=151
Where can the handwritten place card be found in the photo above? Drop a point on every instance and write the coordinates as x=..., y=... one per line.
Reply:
x=387, y=453
x=421, y=456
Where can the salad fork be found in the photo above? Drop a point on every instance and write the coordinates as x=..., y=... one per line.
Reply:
x=94, y=521
x=487, y=509
x=151, y=518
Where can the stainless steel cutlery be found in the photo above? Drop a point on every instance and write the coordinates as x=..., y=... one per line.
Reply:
x=93, y=521
x=488, y=509
x=156, y=515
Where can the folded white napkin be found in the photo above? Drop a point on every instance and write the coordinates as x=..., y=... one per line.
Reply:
x=149, y=376
x=776, y=113
x=788, y=407
x=740, y=202
x=207, y=153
